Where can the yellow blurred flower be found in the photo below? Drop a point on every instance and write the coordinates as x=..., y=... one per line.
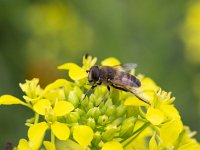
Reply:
x=191, y=33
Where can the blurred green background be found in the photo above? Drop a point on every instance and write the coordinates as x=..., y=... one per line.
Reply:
x=162, y=37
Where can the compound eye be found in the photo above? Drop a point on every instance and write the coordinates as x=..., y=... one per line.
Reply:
x=95, y=74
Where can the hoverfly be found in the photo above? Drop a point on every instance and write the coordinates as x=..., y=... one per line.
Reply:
x=116, y=77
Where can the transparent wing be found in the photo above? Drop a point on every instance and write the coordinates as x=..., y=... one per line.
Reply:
x=126, y=67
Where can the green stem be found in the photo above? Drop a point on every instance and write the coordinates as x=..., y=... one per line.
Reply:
x=37, y=116
x=27, y=105
x=52, y=137
x=135, y=134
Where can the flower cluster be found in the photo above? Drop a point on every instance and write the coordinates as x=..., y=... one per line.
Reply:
x=64, y=120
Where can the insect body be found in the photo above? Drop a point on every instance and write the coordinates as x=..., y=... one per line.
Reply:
x=115, y=77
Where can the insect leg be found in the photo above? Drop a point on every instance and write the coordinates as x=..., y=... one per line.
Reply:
x=128, y=90
x=93, y=86
x=86, y=93
x=108, y=88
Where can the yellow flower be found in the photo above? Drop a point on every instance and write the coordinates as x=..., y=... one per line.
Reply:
x=162, y=111
x=75, y=72
x=61, y=108
x=122, y=121
x=31, y=89
x=191, y=33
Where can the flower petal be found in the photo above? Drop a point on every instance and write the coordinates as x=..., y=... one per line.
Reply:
x=36, y=134
x=49, y=146
x=111, y=61
x=148, y=84
x=75, y=72
x=155, y=116
x=170, y=111
x=170, y=131
x=83, y=135
x=60, y=130
x=9, y=100
x=134, y=101
x=42, y=106
x=56, y=84
x=23, y=145
x=31, y=88
x=191, y=145
x=61, y=108
x=88, y=62
x=112, y=145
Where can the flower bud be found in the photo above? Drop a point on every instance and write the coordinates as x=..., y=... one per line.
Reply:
x=94, y=113
x=108, y=102
x=110, y=110
x=120, y=111
x=30, y=120
x=110, y=133
x=127, y=127
x=79, y=111
x=102, y=120
x=84, y=103
x=73, y=98
x=72, y=117
x=90, y=105
x=96, y=138
x=95, y=100
x=91, y=123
